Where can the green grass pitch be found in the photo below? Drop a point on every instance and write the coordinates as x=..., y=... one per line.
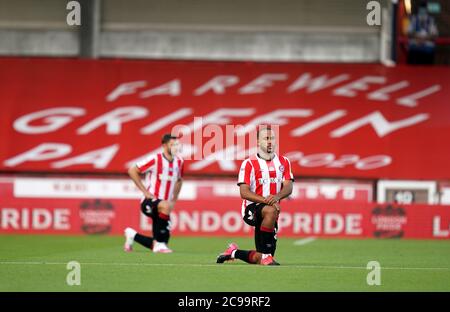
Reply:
x=38, y=263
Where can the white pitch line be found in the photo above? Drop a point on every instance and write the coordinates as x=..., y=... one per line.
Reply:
x=215, y=265
x=304, y=241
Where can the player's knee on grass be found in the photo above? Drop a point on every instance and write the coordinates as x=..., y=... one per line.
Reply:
x=256, y=257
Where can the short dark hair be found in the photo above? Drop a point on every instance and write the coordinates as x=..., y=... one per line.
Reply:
x=262, y=127
x=167, y=137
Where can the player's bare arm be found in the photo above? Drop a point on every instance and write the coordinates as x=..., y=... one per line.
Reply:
x=134, y=174
x=177, y=189
x=285, y=191
x=247, y=194
x=176, y=192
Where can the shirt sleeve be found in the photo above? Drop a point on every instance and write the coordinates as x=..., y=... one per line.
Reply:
x=288, y=170
x=245, y=173
x=146, y=164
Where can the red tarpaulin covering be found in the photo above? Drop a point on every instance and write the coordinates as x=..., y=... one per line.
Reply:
x=336, y=120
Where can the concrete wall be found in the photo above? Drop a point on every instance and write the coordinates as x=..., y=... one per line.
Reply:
x=285, y=30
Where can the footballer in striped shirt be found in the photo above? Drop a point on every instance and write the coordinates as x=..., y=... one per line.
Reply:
x=264, y=180
x=163, y=179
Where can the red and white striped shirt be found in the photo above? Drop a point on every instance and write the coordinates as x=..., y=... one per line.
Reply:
x=265, y=177
x=161, y=174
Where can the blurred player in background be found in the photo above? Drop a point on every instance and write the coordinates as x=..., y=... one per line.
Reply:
x=422, y=34
x=164, y=172
x=264, y=179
